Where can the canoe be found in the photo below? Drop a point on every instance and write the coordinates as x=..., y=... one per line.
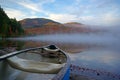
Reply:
x=40, y=63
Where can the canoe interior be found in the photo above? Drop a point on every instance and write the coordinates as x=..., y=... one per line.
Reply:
x=37, y=54
x=9, y=73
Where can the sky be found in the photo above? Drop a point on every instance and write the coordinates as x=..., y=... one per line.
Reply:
x=90, y=12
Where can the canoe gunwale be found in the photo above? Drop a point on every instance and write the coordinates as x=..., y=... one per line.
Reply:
x=62, y=74
x=58, y=76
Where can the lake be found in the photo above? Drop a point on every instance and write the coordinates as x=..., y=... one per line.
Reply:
x=99, y=51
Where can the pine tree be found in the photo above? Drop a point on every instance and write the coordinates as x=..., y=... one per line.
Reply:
x=9, y=27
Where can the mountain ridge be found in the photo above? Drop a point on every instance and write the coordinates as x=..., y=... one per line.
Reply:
x=35, y=22
x=47, y=26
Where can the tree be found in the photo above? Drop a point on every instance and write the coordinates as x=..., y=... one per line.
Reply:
x=16, y=26
x=9, y=27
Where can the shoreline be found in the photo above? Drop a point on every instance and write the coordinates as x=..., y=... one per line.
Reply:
x=80, y=77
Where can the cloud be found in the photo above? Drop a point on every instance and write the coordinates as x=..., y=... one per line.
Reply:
x=30, y=5
x=33, y=16
x=12, y=13
x=105, y=19
x=87, y=18
x=33, y=5
x=46, y=1
x=26, y=8
x=111, y=19
x=63, y=17
x=95, y=12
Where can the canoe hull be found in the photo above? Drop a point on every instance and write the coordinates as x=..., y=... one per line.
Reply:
x=8, y=73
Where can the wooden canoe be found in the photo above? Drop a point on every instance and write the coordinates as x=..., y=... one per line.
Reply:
x=55, y=61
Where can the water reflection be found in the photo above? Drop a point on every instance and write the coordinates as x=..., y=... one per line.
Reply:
x=9, y=43
x=98, y=59
x=96, y=51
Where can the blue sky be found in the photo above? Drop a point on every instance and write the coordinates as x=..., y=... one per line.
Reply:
x=91, y=12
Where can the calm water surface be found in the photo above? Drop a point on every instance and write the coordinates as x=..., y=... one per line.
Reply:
x=96, y=51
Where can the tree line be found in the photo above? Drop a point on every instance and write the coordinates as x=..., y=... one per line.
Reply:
x=8, y=26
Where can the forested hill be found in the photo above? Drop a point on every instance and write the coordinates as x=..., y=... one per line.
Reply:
x=9, y=27
x=36, y=22
x=36, y=26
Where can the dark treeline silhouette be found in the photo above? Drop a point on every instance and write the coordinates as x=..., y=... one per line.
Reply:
x=9, y=27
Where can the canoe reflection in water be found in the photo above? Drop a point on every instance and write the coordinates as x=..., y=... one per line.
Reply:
x=41, y=63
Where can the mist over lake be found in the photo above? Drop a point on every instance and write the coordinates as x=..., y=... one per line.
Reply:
x=98, y=51
x=103, y=39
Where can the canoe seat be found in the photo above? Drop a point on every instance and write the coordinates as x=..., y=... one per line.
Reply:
x=34, y=66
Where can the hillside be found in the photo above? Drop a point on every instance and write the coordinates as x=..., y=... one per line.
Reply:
x=35, y=22
x=73, y=24
x=47, y=26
